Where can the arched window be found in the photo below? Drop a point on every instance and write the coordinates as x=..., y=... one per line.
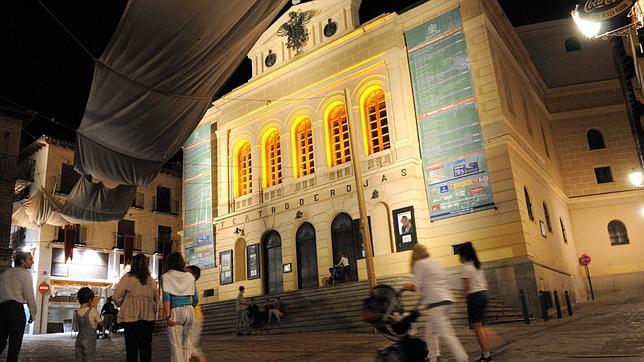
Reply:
x=595, y=139
x=273, y=159
x=244, y=170
x=572, y=45
x=528, y=204
x=617, y=233
x=338, y=129
x=377, y=126
x=304, y=148
x=546, y=215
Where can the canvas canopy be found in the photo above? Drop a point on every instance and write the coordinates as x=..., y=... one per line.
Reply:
x=37, y=211
x=156, y=78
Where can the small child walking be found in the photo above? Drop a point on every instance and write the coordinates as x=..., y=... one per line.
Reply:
x=86, y=320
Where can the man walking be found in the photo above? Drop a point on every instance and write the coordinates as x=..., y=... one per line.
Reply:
x=16, y=289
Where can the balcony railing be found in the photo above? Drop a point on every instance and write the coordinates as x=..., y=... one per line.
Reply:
x=165, y=206
x=139, y=201
x=119, y=241
x=81, y=234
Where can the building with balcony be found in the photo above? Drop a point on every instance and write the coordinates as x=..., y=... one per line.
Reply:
x=151, y=226
x=464, y=132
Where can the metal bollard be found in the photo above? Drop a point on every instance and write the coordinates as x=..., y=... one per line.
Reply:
x=524, y=307
x=544, y=306
x=557, y=305
x=568, y=303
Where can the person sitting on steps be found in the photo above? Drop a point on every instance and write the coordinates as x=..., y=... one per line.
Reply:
x=277, y=311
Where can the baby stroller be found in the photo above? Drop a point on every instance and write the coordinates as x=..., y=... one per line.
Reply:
x=383, y=309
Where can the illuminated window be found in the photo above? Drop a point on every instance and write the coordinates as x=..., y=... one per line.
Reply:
x=273, y=159
x=244, y=170
x=339, y=135
x=377, y=126
x=304, y=148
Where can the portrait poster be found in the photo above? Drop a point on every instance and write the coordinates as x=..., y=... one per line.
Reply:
x=226, y=267
x=252, y=261
x=404, y=228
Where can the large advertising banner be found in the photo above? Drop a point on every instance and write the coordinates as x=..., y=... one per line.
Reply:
x=199, y=244
x=454, y=163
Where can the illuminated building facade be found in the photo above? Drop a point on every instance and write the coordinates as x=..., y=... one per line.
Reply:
x=490, y=172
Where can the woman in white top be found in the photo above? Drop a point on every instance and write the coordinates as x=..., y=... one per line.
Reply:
x=430, y=279
x=475, y=289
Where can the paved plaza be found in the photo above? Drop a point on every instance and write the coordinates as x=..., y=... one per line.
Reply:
x=610, y=329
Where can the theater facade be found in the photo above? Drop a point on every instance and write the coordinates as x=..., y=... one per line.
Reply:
x=455, y=144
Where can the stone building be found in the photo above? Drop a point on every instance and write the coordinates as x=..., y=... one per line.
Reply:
x=153, y=224
x=10, y=128
x=284, y=201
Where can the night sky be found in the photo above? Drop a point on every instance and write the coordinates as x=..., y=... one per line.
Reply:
x=44, y=70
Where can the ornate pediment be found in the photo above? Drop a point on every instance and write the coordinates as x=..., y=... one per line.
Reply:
x=303, y=28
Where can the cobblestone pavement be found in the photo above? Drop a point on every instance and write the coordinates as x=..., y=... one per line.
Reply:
x=610, y=329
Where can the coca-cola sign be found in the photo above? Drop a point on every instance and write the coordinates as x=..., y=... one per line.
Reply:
x=612, y=14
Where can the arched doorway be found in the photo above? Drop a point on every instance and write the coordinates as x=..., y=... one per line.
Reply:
x=273, y=283
x=343, y=241
x=307, y=257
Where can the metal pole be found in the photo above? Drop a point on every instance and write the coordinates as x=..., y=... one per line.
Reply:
x=557, y=305
x=544, y=307
x=524, y=308
x=568, y=305
x=357, y=173
x=590, y=283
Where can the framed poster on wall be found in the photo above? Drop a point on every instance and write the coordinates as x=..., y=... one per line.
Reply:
x=226, y=267
x=252, y=261
x=405, y=228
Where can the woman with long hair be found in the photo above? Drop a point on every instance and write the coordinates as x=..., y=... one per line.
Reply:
x=138, y=297
x=475, y=289
x=179, y=298
x=430, y=279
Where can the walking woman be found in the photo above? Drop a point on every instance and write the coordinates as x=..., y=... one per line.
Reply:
x=138, y=297
x=179, y=298
x=475, y=289
x=430, y=279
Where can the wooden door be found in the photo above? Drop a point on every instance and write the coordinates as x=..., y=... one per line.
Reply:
x=307, y=257
x=273, y=281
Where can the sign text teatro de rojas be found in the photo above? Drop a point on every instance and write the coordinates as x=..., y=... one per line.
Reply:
x=279, y=207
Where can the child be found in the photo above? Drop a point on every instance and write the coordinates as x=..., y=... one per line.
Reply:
x=197, y=323
x=86, y=319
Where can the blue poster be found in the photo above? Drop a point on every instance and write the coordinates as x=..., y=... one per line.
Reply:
x=454, y=163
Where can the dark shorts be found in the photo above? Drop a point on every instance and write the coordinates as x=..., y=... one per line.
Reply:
x=476, y=305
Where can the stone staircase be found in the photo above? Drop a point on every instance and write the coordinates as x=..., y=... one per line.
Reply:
x=335, y=308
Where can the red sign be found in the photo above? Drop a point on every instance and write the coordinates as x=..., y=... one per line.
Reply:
x=43, y=288
x=584, y=259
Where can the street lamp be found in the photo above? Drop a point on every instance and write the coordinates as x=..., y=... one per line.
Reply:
x=636, y=177
x=589, y=28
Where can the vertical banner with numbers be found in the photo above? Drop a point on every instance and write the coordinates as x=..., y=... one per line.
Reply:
x=199, y=244
x=454, y=163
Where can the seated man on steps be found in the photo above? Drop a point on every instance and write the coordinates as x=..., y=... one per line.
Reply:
x=277, y=311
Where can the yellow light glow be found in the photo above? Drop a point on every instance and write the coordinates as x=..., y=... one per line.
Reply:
x=589, y=28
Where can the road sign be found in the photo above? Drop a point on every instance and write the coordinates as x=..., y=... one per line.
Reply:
x=43, y=288
x=584, y=259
